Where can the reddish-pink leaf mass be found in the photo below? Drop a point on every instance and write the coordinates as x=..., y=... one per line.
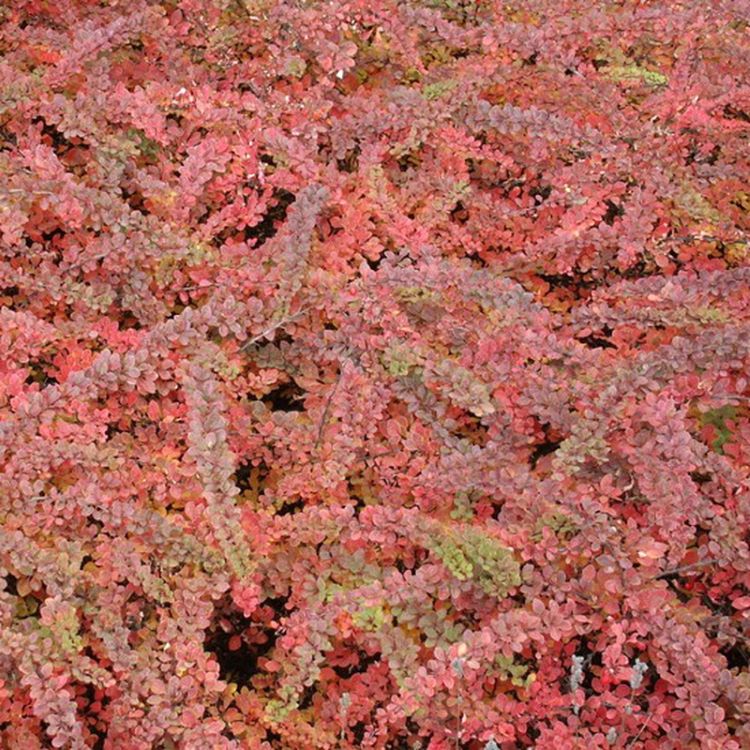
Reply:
x=374, y=374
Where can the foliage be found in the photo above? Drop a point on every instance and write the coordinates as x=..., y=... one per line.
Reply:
x=374, y=375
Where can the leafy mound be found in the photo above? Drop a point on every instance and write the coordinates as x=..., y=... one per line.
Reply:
x=374, y=374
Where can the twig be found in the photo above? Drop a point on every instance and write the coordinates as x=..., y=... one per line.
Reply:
x=272, y=328
x=684, y=568
x=23, y=191
x=196, y=287
x=640, y=731
x=704, y=238
x=717, y=625
x=724, y=397
x=327, y=408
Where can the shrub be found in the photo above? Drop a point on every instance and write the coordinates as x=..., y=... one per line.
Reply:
x=374, y=374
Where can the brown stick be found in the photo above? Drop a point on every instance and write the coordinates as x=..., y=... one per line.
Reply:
x=684, y=568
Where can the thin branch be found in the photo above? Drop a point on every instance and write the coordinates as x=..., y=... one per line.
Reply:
x=23, y=191
x=685, y=568
x=196, y=287
x=272, y=328
x=327, y=408
x=640, y=731
x=705, y=238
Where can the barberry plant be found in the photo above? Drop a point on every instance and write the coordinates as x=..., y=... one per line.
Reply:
x=374, y=374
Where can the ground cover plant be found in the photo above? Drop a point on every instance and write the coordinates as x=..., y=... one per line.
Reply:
x=374, y=374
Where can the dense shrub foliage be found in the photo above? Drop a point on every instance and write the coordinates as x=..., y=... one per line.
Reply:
x=374, y=374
